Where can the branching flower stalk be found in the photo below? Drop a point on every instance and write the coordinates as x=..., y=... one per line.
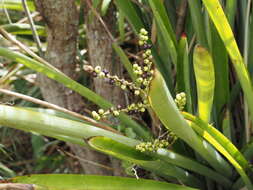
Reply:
x=140, y=87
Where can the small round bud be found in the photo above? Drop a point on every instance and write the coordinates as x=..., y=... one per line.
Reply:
x=101, y=75
x=123, y=87
x=97, y=69
x=141, y=43
x=95, y=115
x=148, y=52
x=182, y=94
x=139, y=80
x=145, y=68
x=143, y=31
x=137, y=92
x=146, y=61
x=142, y=109
x=115, y=113
x=135, y=66
x=178, y=97
x=101, y=111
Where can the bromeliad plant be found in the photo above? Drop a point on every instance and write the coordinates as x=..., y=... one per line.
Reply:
x=198, y=152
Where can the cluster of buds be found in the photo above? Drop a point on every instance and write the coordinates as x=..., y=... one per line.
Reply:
x=180, y=100
x=132, y=108
x=144, y=69
x=152, y=146
x=144, y=74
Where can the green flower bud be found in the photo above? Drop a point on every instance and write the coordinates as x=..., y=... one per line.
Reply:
x=143, y=31
x=115, y=113
x=139, y=80
x=141, y=43
x=145, y=68
x=148, y=52
x=101, y=111
x=123, y=87
x=137, y=92
x=101, y=75
x=142, y=109
x=95, y=115
x=135, y=66
x=97, y=69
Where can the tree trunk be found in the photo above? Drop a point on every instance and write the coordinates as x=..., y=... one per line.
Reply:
x=61, y=17
x=101, y=54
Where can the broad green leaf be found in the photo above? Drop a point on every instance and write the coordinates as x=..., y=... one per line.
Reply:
x=89, y=182
x=165, y=108
x=52, y=126
x=218, y=17
x=167, y=32
x=148, y=162
x=220, y=138
x=205, y=79
x=223, y=145
x=68, y=82
x=192, y=165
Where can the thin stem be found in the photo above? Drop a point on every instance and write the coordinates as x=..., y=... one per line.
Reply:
x=58, y=108
x=34, y=31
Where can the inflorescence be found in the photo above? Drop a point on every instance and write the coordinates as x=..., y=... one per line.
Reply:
x=157, y=143
x=144, y=73
x=180, y=100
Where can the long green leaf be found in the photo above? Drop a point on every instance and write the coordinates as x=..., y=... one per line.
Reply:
x=62, y=78
x=89, y=182
x=218, y=17
x=205, y=79
x=165, y=108
x=224, y=146
x=48, y=125
x=151, y=163
x=198, y=21
x=192, y=165
x=163, y=23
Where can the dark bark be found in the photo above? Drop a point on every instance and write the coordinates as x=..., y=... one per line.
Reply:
x=61, y=18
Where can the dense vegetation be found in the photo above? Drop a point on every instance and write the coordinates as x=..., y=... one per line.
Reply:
x=161, y=90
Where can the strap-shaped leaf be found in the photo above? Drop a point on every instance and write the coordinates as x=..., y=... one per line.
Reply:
x=223, y=145
x=89, y=182
x=149, y=162
x=205, y=79
x=165, y=108
x=220, y=21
